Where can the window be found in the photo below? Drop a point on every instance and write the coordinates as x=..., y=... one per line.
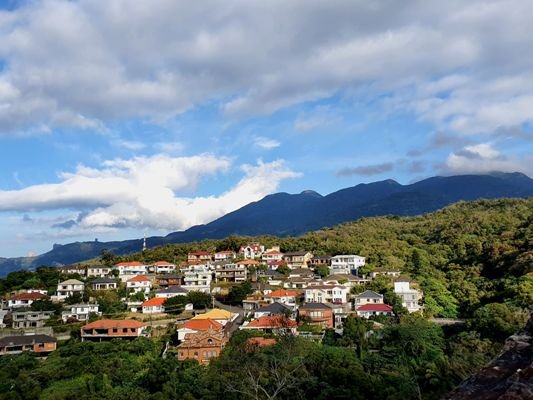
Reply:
x=115, y=330
x=124, y=330
x=195, y=355
x=204, y=355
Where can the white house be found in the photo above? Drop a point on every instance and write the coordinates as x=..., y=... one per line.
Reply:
x=155, y=305
x=24, y=299
x=99, y=271
x=197, y=278
x=272, y=255
x=162, y=267
x=336, y=294
x=393, y=273
x=346, y=264
x=251, y=251
x=226, y=255
x=79, y=312
x=368, y=297
x=103, y=284
x=410, y=297
x=370, y=310
x=138, y=284
x=127, y=270
x=68, y=288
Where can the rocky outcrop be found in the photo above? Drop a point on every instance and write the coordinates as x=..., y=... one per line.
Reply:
x=508, y=377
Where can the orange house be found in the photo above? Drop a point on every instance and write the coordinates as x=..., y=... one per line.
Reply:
x=202, y=346
x=106, y=329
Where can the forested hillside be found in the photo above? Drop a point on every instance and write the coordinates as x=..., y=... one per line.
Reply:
x=464, y=256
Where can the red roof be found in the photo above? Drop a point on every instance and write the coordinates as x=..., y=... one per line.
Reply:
x=29, y=296
x=113, y=323
x=375, y=307
x=202, y=324
x=284, y=293
x=275, y=321
x=225, y=252
x=248, y=262
x=162, y=264
x=156, y=301
x=129, y=264
x=139, y=278
x=278, y=263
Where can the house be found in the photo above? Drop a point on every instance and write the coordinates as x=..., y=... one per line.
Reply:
x=276, y=324
x=369, y=310
x=272, y=255
x=273, y=309
x=226, y=255
x=346, y=264
x=340, y=313
x=162, y=267
x=73, y=270
x=138, y=284
x=251, y=251
x=68, y=288
x=30, y=319
x=202, y=346
x=298, y=283
x=171, y=292
x=197, y=278
x=248, y=263
x=127, y=270
x=98, y=271
x=410, y=296
x=230, y=273
x=79, y=312
x=40, y=344
x=202, y=256
x=316, y=261
x=297, y=259
x=368, y=297
x=283, y=296
x=389, y=272
x=318, y=314
x=170, y=280
x=106, y=329
x=198, y=325
x=154, y=305
x=301, y=273
x=253, y=302
x=270, y=275
x=24, y=299
x=274, y=265
x=103, y=284
x=3, y=314
x=336, y=294
x=223, y=317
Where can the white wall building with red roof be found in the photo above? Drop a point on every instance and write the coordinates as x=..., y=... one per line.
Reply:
x=138, y=284
x=127, y=270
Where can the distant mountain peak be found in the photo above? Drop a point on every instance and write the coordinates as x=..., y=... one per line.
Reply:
x=311, y=193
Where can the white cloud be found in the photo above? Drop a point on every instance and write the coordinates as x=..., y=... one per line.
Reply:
x=169, y=147
x=147, y=191
x=484, y=158
x=266, y=143
x=88, y=63
x=128, y=144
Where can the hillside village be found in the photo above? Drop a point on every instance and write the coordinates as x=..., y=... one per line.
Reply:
x=281, y=292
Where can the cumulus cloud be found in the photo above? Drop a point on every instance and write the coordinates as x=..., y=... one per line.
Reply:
x=484, y=158
x=367, y=170
x=147, y=191
x=88, y=63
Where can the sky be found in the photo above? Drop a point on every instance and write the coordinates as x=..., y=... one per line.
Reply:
x=122, y=117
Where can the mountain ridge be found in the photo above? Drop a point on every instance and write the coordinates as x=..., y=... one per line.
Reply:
x=285, y=214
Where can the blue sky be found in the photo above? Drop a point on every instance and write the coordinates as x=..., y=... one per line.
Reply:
x=122, y=117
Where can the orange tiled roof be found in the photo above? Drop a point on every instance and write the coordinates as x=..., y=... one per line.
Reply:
x=272, y=252
x=139, y=278
x=202, y=324
x=29, y=296
x=275, y=321
x=249, y=262
x=284, y=293
x=162, y=264
x=156, y=301
x=113, y=323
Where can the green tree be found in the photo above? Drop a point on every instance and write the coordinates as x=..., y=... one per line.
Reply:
x=498, y=321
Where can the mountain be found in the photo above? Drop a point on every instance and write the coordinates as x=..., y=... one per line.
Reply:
x=284, y=214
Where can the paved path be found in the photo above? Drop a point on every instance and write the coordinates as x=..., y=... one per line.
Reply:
x=234, y=309
x=447, y=321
